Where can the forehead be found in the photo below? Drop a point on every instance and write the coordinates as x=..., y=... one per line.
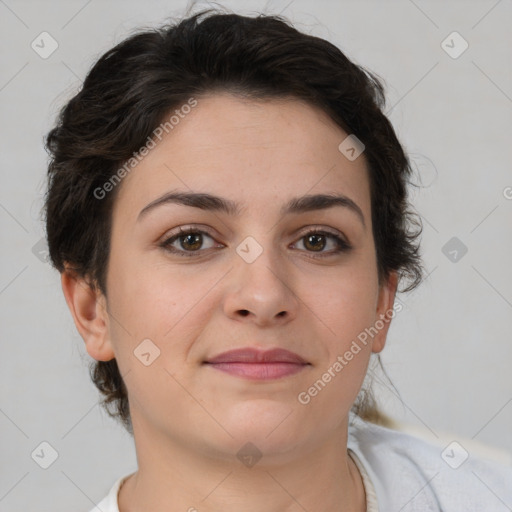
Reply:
x=258, y=153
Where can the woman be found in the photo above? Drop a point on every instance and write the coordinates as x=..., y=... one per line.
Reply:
x=227, y=206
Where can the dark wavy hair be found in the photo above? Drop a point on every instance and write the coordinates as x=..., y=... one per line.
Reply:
x=134, y=86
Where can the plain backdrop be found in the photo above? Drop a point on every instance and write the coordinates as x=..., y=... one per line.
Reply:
x=449, y=352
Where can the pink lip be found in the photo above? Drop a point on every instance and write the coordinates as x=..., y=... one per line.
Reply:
x=255, y=364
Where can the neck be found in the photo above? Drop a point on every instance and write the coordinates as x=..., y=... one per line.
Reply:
x=172, y=477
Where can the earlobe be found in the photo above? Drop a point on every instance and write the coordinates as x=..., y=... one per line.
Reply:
x=385, y=311
x=88, y=308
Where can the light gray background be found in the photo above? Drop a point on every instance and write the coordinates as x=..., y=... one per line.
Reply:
x=449, y=351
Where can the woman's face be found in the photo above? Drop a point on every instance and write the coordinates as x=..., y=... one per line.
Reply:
x=254, y=278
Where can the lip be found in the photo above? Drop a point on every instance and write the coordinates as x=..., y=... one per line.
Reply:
x=253, y=355
x=254, y=364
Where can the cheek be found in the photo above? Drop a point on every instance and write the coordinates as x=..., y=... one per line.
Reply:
x=345, y=302
x=171, y=309
x=151, y=332
x=346, y=312
x=151, y=299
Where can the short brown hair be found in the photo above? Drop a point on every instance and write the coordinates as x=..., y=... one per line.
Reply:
x=134, y=86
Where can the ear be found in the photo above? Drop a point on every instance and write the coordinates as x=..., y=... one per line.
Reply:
x=89, y=310
x=385, y=311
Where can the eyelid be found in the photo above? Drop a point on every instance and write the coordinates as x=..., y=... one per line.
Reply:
x=341, y=241
x=175, y=234
x=186, y=229
x=323, y=229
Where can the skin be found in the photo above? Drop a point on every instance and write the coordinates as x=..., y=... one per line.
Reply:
x=189, y=419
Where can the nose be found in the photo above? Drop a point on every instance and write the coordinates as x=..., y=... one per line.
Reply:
x=261, y=291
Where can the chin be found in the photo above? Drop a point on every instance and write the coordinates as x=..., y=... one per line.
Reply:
x=271, y=426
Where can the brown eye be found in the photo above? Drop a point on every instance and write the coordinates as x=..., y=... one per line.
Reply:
x=187, y=242
x=191, y=241
x=316, y=242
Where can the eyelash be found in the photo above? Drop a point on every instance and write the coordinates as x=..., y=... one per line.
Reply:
x=342, y=246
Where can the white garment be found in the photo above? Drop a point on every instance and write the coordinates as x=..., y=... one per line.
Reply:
x=402, y=473
x=371, y=496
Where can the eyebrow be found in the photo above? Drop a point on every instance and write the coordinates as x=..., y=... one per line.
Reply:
x=211, y=202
